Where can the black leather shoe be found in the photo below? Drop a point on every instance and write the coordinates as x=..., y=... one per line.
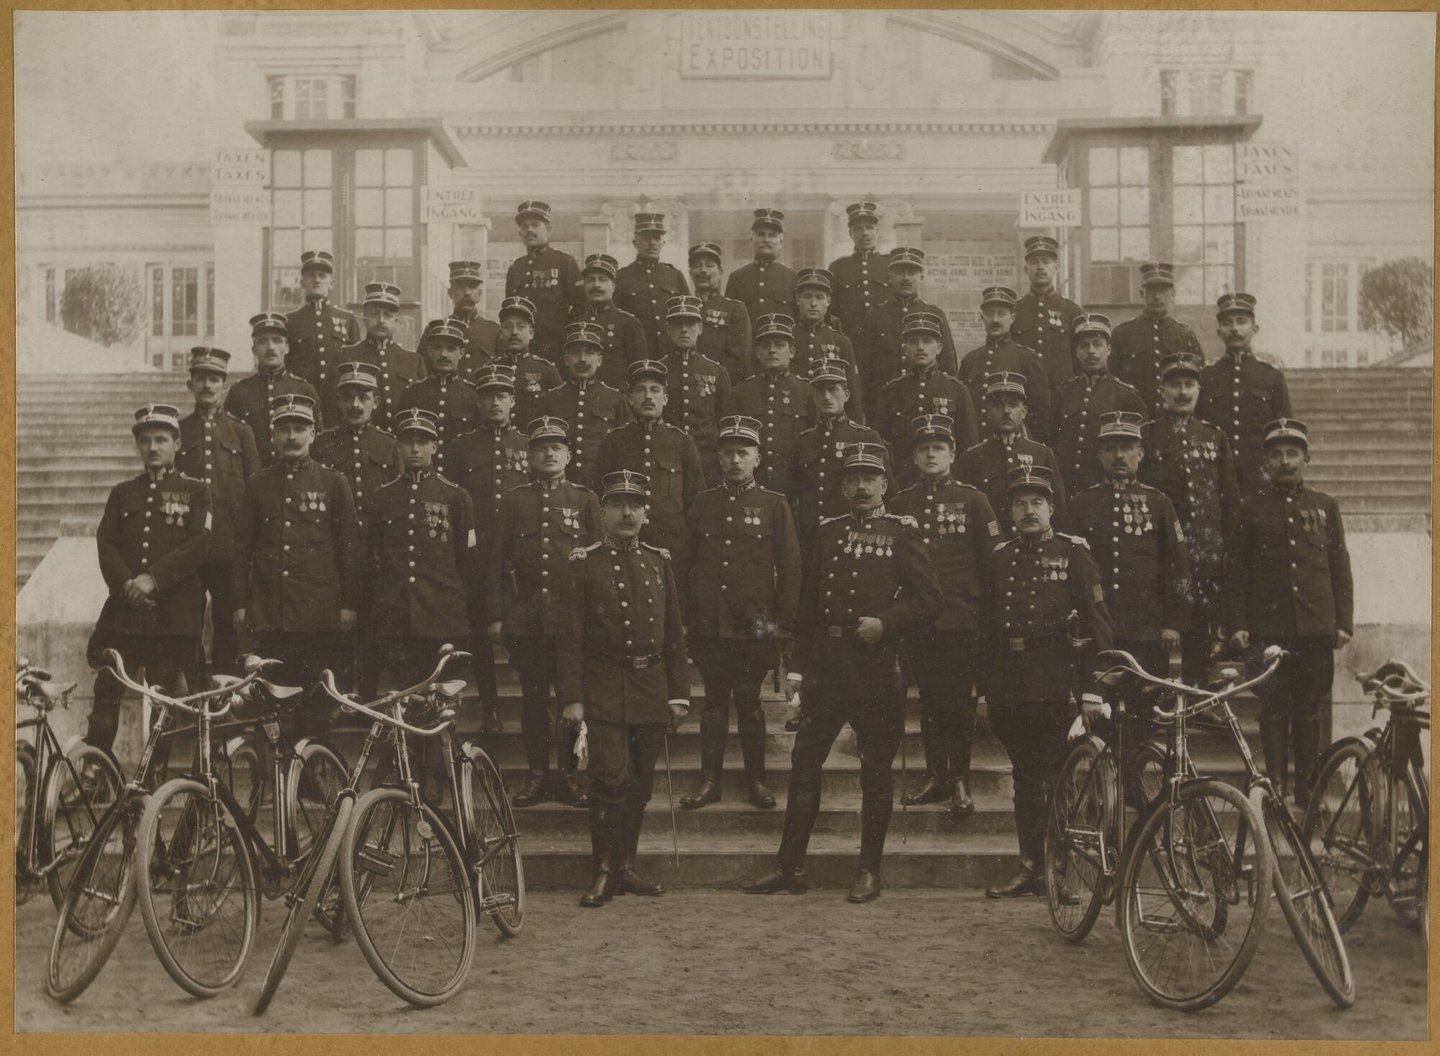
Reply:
x=1024, y=882
x=791, y=880
x=574, y=791
x=601, y=891
x=532, y=793
x=632, y=883
x=760, y=797
x=866, y=887
x=708, y=792
x=932, y=791
x=961, y=805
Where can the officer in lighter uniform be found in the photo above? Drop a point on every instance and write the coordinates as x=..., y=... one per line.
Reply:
x=1081, y=401
x=922, y=389
x=623, y=338
x=1239, y=393
x=153, y=538
x=959, y=531
x=591, y=406
x=1039, y=578
x=1142, y=344
x=740, y=584
x=1190, y=461
x=396, y=366
x=725, y=337
x=879, y=351
x=699, y=387
x=219, y=450
x=533, y=375
x=1044, y=320
x=1139, y=547
x=1000, y=352
x=987, y=465
x=764, y=286
x=859, y=280
x=249, y=398
x=1288, y=583
x=547, y=278
x=445, y=393
x=621, y=669
x=816, y=339
x=645, y=285
x=319, y=330
x=780, y=399
x=869, y=586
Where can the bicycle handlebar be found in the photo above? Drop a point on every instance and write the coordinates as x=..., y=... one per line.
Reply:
x=1124, y=663
x=195, y=702
x=327, y=683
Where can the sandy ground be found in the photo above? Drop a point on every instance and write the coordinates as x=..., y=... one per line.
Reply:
x=918, y=961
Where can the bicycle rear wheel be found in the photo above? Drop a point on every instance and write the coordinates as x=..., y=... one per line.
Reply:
x=408, y=896
x=25, y=785
x=79, y=789
x=96, y=907
x=1343, y=827
x=501, y=868
x=1408, y=871
x=197, y=888
x=1304, y=900
x=1193, y=893
x=1080, y=839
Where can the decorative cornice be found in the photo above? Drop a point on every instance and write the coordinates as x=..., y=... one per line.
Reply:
x=996, y=128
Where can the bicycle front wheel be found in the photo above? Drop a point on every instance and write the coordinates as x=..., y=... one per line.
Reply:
x=1344, y=826
x=1193, y=895
x=25, y=785
x=408, y=896
x=502, y=872
x=79, y=789
x=196, y=886
x=1304, y=900
x=1080, y=839
x=96, y=907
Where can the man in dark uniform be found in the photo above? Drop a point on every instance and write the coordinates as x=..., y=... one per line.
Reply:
x=540, y=523
x=1081, y=401
x=847, y=654
x=482, y=336
x=1142, y=343
x=547, y=278
x=1000, y=352
x=726, y=334
x=1288, y=583
x=1035, y=675
x=591, y=406
x=859, y=280
x=1044, y=320
x=445, y=392
x=699, y=387
x=815, y=339
x=645, y=285
x=778, y=398
x=152, y=540
x=1190, y=461
x=218, y=450
x=922, y=389
x=493, y=460
x=621, y=669
x=879, y=351
x=1239, y=393
x=764, y=286
x=988, y=464
x=396, y=367
x=820, y=452
x=665, y=455
x=623, y=334
x=740, y=583
x=298, y=561
x=319, y=330
x=249, y=398
x=959, y=531
x=1138, y=546
x=533, y=375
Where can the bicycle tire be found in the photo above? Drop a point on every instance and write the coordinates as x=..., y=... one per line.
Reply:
x=1150, y=770
x=304, y=900
x=1339, y=829
x=244, y=773
x=374, y=852
x=78, y=807
x=1408, y=872
x=26, y=765
x=103, y=882
x=1186, y=842
x=502, y=870
x=1303, y=899
x=315, y=775
x=201, y=890
x=1078, y=815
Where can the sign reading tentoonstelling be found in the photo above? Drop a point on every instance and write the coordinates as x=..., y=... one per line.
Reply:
x=739, y=45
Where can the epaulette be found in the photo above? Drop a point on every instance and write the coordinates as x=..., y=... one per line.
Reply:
x=557, y=388
x=517, y=487
x=1002, y=546
x=1078, y=540
x=382, y=432
x=579, y=552
x=903, y=518
x=974, y=447
x=235, y=417
x=832, y=520
x=445, y=480
x=1123, y=382
x=657, y=549
x=186, y=476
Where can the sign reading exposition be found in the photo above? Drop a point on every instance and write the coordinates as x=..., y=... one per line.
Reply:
x=757, y=46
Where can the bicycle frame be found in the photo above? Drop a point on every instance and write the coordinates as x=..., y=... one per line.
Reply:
x=47, y=749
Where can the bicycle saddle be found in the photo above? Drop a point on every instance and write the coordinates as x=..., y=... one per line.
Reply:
x=46, y=688
x=452, y=688
x=278, y=692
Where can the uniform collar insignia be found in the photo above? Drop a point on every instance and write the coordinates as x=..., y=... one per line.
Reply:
x=554, y=484
x=622, y=546
x=319, y=304
x=294, y=464
x=1031, y=542
x=741, y=489
x=418, y=475
x=160, y=474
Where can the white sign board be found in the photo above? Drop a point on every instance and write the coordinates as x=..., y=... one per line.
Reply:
x=755, y=45
x=242, y=167
x=1262, y=202
x=451, y=205
x=240, y=207
x=1273, y=162
x=1058, y=208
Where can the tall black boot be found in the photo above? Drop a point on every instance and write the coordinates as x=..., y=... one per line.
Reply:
x=1275, y=743
x=1029, y=879
x=627, y=845
x=714, y=728
x=752, y=748
x=1305, y=732
x=602, y=851
x=934, y=732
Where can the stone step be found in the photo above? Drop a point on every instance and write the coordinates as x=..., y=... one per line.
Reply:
x=1415, y=451
x=1384, y=504
x=1394, y=473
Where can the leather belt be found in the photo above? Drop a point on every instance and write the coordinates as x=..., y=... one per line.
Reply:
x=1040, y=641
x=839, y=632
x=634, y=663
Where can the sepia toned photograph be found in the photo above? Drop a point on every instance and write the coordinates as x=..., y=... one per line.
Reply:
x=724, y=522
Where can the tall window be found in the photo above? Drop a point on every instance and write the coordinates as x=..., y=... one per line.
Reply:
x=303, y=216
x=385, y=216
x=311, y=97
x=1200, y=92
x=1334, y=298
x=1119, y=211
x=1204, y=221
x=184, y=302
x=209, y=300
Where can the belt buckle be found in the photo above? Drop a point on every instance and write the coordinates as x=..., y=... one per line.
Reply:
x=639, y=663
x=835, y=632
x=1017, y=645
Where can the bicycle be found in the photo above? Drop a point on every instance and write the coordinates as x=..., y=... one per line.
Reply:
x=1190, y=872
x=55, y=814
x=199, y=891
x=1370, y=812
x=405, y=864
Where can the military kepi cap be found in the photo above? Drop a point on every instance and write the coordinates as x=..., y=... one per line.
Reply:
x=317, y=259
x=163, y=414
x=684, y=307
x=449, y=329
x=932, y=427
x=860, y=212
x=494, y=376
x=814, y=279
x=1004, y=383
x=1120, y=425
x=547, y=427
x=740, y=427
x=524, y=307
x=603, y=263
x=358, y=375
x=1287, y=430
x=1157, y=275
x=864, y=457
x=774, y=324
x=385, y=294
x=532, y=210
x=707, y=249
x=1001, y=295
x=649, y=223
x=214, y=360
x=1030, y=477
x=1090, y=323
x=830, y=371
x=582, y=333
x=624, y=483
x=1235, y=302
x=417, y=420
x=1177, y=363
x=1037, y=244
x=461, y=270
x=768, y=218
x=643, y=369
x=292, y=407
x=907, y=257
x=921, y=323
x=268, y=323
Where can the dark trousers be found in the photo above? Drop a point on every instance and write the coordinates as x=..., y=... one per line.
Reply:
x=1292, y=703
x=482, y=662
x=622, y=775
x=877, y=722
x=303, y=655
x=1034, y=738
x=169, y=661
x=534, y=661
x=402, y=662
x=224, y=643
x=363, y=666
x=944, y=665
x=1204, y=630
x=732, y=669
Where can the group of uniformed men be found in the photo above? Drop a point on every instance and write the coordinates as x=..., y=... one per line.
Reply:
x=620, y=474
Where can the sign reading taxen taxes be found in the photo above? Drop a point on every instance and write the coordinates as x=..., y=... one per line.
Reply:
x=240, y=167
x=1058, y=208
x=771, y=45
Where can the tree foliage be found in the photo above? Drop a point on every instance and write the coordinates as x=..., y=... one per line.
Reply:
x=103, y=304
x=1398, y=298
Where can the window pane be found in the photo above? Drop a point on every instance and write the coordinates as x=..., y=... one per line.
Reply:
x=399, y=206
x=1189, y=205
x=1220, y=203
x=157, y=302
x=317, y=208
x=1104, y=207
x=369, y=208
x=1220, y=244
x=1135, y=205
x=1104, y=244
x=399, y=167
x=1135, y=243
x=1187, y=162
x=286, y=168
x=1167, y=92
x=1190, y=286
x=209, y=300
x=369, y=243
x=1104, y=170
x=398, y=242
x=1189, y=245
x=285, y=248
x=1219, y=278
x=319, y=238
x=287, y=208
x=367, y=167
x=317, y=168
x=1220, y=163
x=1135, y=166
x=277, y=98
